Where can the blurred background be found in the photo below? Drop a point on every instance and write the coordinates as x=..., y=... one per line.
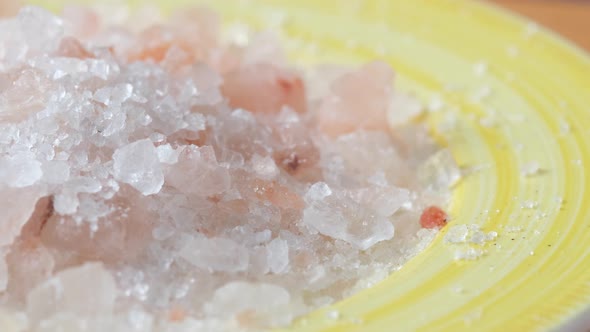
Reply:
x=571, y=18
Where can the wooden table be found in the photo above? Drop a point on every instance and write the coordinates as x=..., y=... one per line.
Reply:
x=571, y=18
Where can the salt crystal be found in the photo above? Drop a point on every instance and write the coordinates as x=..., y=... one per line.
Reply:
x=167, y=154
x=342, y=218
x=264, y=167
x=456, y=234
x=480, y=68
x=469, y=254
x=278, y=255
x=440, y=171
x=261, y=299
x=402, y=109
x=216, y=254
x=529, y=204
x=333, y=314
x=436, y=104
x=20, y=170
x=137, y=164
x=530, y=168
x=68, y=291
x=318, y=191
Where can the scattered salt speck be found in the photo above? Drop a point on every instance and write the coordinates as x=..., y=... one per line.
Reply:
x=577, y=162
x=481, y=93
x=333, y=314
x=532, y=253
x=487, y=121
x=531, y=29
x=468, y=254
x=564, y=127
x=529, y=204
x=530, y=168
x=456, y=234
x=513, y=229
x=512, y=51
x=480, y=68
x=436, y=104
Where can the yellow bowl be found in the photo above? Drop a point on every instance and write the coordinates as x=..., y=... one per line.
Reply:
x=531, y=105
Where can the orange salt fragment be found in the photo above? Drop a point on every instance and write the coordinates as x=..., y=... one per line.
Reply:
x=176, y=314
x=433, y=217
x=72, y=48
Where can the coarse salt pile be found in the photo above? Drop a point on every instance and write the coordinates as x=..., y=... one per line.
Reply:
x=162, y=180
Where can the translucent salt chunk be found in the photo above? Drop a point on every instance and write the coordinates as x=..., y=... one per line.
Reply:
x=198, y=172
x=469, y=254
x=402, y=109
x=261, y=299
x=457, y=234
x=318, y=191
x=137, y=164
x=341, y=217
x=216, y=254
x=167, y=154
x=277, y=255
x=530, y=169
x=20, y=170
x=66, y=202
x=264, y=167
x=88, y=290
x=440, y=171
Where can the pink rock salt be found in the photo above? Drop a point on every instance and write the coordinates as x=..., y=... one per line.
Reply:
x=160, y=178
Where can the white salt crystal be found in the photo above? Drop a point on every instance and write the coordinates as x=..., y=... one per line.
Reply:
x=3, y=271
x=216, y=254
x=333, y=314
x=56, y=172
x=264, y=167
x=66, y=202
x=277, y=255
x=261, y=299
x=512, y=51
x=440, y=171
x=318, y=191
x=342, y=218
x=436, y=104
x=480, y=68
x=468, y=254
x=137, y=164
x=481, y=93
x=530, y=168
x=167, y=154
x=457, y=234
x=69, y=291
x=529, y=204
x=402, y=109
x=20, y=170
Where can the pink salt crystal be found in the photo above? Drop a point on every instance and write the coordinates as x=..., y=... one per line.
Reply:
x=359, y=100
x=264, y=88
x=82, y=22
x=72, y=48
x=126, y=229
x=197, y=172
x=17, y=205
x=29, y=263
x=69, y=291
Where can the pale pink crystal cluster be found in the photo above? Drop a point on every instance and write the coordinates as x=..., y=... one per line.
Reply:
x=162, y=180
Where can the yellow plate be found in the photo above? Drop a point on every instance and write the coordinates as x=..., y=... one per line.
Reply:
x=531, y=105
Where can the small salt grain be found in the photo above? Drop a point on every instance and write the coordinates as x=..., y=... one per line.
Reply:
x=530, y=169
x=480, y=68
x=529, y=204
